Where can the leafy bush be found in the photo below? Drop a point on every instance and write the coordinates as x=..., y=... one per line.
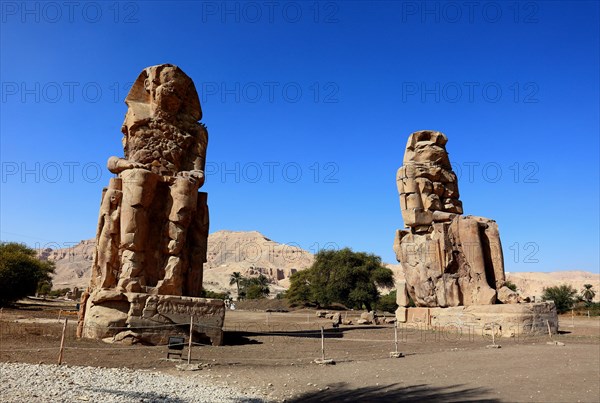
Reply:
x=58, y=293
x=250, y=287
x=21, y=272
x=256, y=291
x=562, y=295
x=44, y=288
x=214, y=295
x=387, y=302
x=510, y=285
x=255, y=287
x=592, y=307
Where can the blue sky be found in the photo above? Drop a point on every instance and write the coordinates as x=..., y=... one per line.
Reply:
x=309, y=106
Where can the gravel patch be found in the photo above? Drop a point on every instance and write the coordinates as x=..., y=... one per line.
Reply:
x=52, y=383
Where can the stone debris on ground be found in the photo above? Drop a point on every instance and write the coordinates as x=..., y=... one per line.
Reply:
x=51, y=383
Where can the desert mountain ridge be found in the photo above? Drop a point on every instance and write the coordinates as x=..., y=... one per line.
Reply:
x=248, y=252
x=252, y=253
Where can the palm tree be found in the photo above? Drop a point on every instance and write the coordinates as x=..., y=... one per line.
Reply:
x=235, y=278
x=263, y=282
x=255, y=287
x=587, y=293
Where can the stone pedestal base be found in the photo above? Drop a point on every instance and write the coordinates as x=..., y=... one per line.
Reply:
x=151, y=319
x=506, y=320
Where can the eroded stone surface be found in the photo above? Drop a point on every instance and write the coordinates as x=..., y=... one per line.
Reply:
x=448, y=259
x=140, y=317
x=513, y=320
x=453, y=264
x=153, y=223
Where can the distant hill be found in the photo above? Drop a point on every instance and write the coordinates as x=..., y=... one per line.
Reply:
x=73, y=265
x=533, y=283
x=251, y=253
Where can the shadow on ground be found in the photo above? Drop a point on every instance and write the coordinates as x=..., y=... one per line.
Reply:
x=237, y=336
x=394, y=393
x=237, y=339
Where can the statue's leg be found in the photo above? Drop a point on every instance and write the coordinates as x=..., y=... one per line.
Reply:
x=107, y=237
x=110, y=262
x=493, y=250
x=197, y=247
x=184, y=195
x=474, y=286
x=139, y=186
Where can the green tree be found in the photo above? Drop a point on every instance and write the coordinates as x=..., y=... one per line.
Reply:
x=587, y=293
x=343, y=276
x=562, y=295
x=300, y=291
x=21, y=272
x=236, y=278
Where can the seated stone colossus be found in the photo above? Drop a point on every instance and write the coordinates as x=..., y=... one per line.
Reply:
x=152, y=231
x=448, y=259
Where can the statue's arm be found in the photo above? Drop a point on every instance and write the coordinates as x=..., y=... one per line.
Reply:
x=197, y=172
x=200, y=160
x=117, y=165
x=194, y=174
x=443, y=216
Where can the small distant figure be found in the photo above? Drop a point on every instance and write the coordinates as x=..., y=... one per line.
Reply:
x=232, y=306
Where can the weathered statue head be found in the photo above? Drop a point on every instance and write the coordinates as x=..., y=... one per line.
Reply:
x=427, y=185
x=165, y=91
x=161, y=129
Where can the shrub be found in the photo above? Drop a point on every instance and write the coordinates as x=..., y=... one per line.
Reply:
x=214, y=294
x=510, y=285
x=58, y=293
x=387, y=302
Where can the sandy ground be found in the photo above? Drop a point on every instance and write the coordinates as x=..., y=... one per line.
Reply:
x=273, y=353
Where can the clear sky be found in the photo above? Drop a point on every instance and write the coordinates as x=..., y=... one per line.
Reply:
x=309, y=106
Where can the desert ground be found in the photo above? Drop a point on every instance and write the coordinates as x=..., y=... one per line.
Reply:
x=271, y=354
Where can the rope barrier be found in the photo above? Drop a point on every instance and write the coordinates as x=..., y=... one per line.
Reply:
x=205, y=325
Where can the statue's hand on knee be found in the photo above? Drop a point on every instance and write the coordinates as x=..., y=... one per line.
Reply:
x=117, y=165
x=193, y=175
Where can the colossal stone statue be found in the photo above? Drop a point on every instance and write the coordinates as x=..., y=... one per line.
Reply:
x=448, y=259
x=153, y=224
